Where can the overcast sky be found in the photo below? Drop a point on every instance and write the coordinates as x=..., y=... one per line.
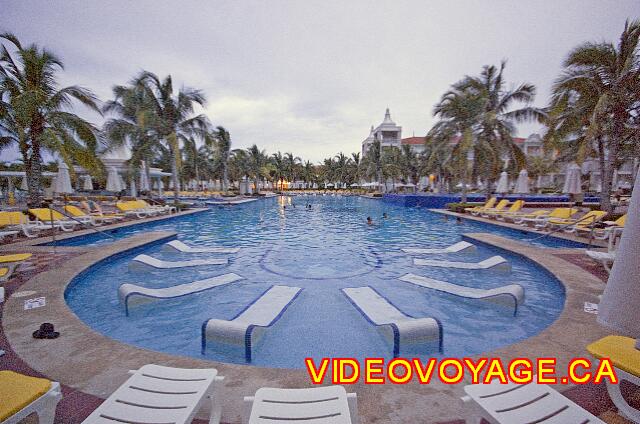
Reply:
x=311, y=77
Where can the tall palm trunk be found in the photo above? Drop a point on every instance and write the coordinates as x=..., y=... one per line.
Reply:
x=606, y=177
x=175, y=152
x=225, y=178
x=33, y=171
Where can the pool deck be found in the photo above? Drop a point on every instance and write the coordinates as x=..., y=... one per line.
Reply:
x=91, y=366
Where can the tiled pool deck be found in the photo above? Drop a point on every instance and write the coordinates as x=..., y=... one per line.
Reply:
x=90, y=366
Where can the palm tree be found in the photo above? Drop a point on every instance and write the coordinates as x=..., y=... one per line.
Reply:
x=496, y=126
x=238, y=164
x=392, y=164
x=342, y=163
x=436, y=160
x=257, y=160
x=223, y=149
x=132, y=126
x=34, y=113
x=409, y=163
x=291, y=166
x=308, y=172
x=373, y=160
x=594, y=108
x=175, y=120
x=355, y=160
x=279, y=168
x=458, y=111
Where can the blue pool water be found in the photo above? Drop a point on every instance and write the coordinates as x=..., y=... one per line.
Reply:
x=321, y=251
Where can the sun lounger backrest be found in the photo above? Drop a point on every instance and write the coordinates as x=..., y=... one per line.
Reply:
x=12, y=218
x=517, y=205
x=74, y=210
x=502, y=204
x=45, y=214
x=621, y=221
x=491, y=202
x=591, y=217
x=563, y=213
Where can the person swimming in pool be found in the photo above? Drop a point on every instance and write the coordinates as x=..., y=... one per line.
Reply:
x=385, y=216
x=369, y=220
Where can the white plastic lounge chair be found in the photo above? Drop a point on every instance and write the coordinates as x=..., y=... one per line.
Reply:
x=247, y=327
x=461, y=246
x=24, y=395
x=156, y=394
x=511, y=295
x=492, y=262
x=4, y=234
x=522, y=403
x=131, y=294
x=399, y=327
x=329, y=404
x=141, y=260
x=605, y=258
x=174, y=245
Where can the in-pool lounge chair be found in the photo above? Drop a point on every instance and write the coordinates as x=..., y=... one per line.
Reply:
x=512, y=294
x=247, y=327
x=522, y=403
x=499, y=207
x=10, y=262
x=329, y=404
x=130, y=294
x=21, y=396
x=461, y=246
x=477, y=209
x=398, y=327
x=494, y=262
x=174, y=245
x=155, y=394
x=143, y=261
x=44, y=218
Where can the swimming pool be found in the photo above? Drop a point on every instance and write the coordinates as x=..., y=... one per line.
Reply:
x=321, y=250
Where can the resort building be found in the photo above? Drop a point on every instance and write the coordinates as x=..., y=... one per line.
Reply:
x=388, y=132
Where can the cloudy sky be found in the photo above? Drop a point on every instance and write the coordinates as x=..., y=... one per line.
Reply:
x=311, y=77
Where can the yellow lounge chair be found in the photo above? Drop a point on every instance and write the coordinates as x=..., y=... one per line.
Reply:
x=603, y=233
x=477, y=209
x=44, y=218
x=82, y=216
x=96, y=210
x=585, y=222
x=11, y=262
x=18, y=221
x=542, y=221
x=499, y=207
x=132, y=208
x=518, y=218
x=515, y=208
x=23, y=395
x=625, y=357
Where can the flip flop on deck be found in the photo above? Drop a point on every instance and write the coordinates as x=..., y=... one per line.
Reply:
x=513, y=294
x=492, y=262
x=182, y=247
x=247, y=327
x=460, y=246
x=141, y=260
x=380, y=312
x=134, y=294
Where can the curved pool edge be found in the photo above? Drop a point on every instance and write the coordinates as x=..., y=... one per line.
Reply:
x=95, y=364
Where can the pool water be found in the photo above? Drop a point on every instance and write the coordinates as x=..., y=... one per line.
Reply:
x=320, y=250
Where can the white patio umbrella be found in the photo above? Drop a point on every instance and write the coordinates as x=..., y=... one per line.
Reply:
x=503, y=183
x=620, y=303
x=63, y=180
x=522, y=183
x=572, y=180
x=160, y=187
x=113, y=180
x=23, y=185
x=123, y=184
x=132, y=187
x=87, y=183
x=144, y=180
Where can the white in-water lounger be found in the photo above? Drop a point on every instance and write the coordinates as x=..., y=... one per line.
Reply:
x=174, y=245
x=141, y=260
x=513, y=294
x=404, y=329
x=247, y=327
x=131, y=294
x=492, y=262
x=461, y=246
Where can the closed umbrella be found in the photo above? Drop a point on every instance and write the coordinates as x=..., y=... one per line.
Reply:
x=87, y=184
x=23, y=185
x=572, y=180
x=123, y=185
x=620, y=303
x=132, y=187
x=522, y=183
x=63, y=180
x=144, y=181
x=113, y=180
x=503, y=183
